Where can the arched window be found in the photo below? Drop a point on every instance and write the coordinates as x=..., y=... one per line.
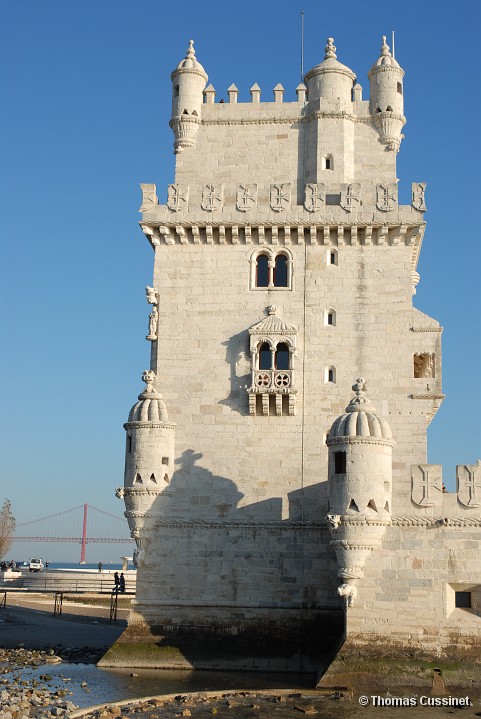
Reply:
x=262, y=271
x=400, y=88
x=330, y=375
x=327, y=162
x=281, y=357
x=265, y=356
x=280, y=271
x=330, y=317
x=271, y=269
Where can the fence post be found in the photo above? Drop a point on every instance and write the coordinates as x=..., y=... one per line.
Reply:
x=113, y=606
x=57, y=610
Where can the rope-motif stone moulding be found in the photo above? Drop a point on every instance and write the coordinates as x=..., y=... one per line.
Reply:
x=408, y=521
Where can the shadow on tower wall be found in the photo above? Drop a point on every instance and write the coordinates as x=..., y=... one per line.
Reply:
x=223, y=586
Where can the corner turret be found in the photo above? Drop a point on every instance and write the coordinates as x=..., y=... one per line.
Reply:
x=330, y=80
x=386, y=103
x=149, y=459
x=360, y=486
x=188, y=82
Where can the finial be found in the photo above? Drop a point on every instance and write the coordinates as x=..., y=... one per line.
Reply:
x=360, y=401
x=330, y=49
x=148, y=376
x=385, y=47
x=191, y=51
x=272, y=309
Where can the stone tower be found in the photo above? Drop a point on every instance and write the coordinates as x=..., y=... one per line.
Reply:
x=284, y=267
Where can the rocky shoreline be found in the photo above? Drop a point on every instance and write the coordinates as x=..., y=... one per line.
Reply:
x=31, y=698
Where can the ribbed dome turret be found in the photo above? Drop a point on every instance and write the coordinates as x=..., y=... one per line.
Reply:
x=151, y=406
x=360, y=419
x=190, y=61
x=385, y=59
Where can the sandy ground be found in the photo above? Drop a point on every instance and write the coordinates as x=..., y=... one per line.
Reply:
x=28, y=620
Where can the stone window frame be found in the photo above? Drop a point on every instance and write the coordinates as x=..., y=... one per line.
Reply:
x=421, y=365
x=332, y=257
x=452, y=588
x=330, y=317
x=271, y=255
x=326, y=160
x=327, y=375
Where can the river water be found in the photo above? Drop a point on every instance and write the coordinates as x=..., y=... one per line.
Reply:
x=109, y=685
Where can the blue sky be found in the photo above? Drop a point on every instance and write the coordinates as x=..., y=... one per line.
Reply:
x=86, y=102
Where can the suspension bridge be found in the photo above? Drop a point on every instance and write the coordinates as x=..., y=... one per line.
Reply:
x=94, y=526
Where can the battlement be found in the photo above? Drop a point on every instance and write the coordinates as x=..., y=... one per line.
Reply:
x=429, y=495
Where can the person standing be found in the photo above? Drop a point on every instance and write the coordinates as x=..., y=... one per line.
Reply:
x=100, y=566
x=122, y=582
x=116, y=581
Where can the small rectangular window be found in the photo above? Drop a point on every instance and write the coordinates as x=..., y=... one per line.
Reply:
x=339, y=462
x=165, y=460
x=462, y=600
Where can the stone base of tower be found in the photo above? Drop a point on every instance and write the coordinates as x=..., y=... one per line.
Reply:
x=190, y=638
x=362, y=672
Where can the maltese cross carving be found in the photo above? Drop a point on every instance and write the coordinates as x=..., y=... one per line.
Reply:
x=350, y=196
x=386, y=197
x=418, y=196
x=280, y=196
x=315, y=196
x=212, y=197
x=246, y=197
x=177, y=197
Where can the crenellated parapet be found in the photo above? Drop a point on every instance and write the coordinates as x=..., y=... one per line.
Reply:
x=428, y=491
x=329, y=90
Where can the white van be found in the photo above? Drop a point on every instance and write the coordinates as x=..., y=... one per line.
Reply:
x=35, y=565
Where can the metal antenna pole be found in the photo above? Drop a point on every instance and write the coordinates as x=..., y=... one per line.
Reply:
x=302, y=46
x=392, y=43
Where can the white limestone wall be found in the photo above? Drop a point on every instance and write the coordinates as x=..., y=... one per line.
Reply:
x=206, y=308
x=405, y=600
x=285, y=142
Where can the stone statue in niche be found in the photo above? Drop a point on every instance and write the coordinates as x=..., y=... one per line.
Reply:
x=178, y=197
x=386, y=197
x=314, y=196
x=212, y=197
x=418, y=196
x=280, y=196
x=246, y=197
x=153, y=320
x=350, y=196
x=151, y=295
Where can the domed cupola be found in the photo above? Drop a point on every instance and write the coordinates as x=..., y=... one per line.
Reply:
x=188, y=82
x=360, y=419
x=330, y=80
x=386, y=103
x=151, y=406
x=360, y=486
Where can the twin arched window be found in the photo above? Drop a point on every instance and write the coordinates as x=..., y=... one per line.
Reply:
x=274, y=359
x=271, y=270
